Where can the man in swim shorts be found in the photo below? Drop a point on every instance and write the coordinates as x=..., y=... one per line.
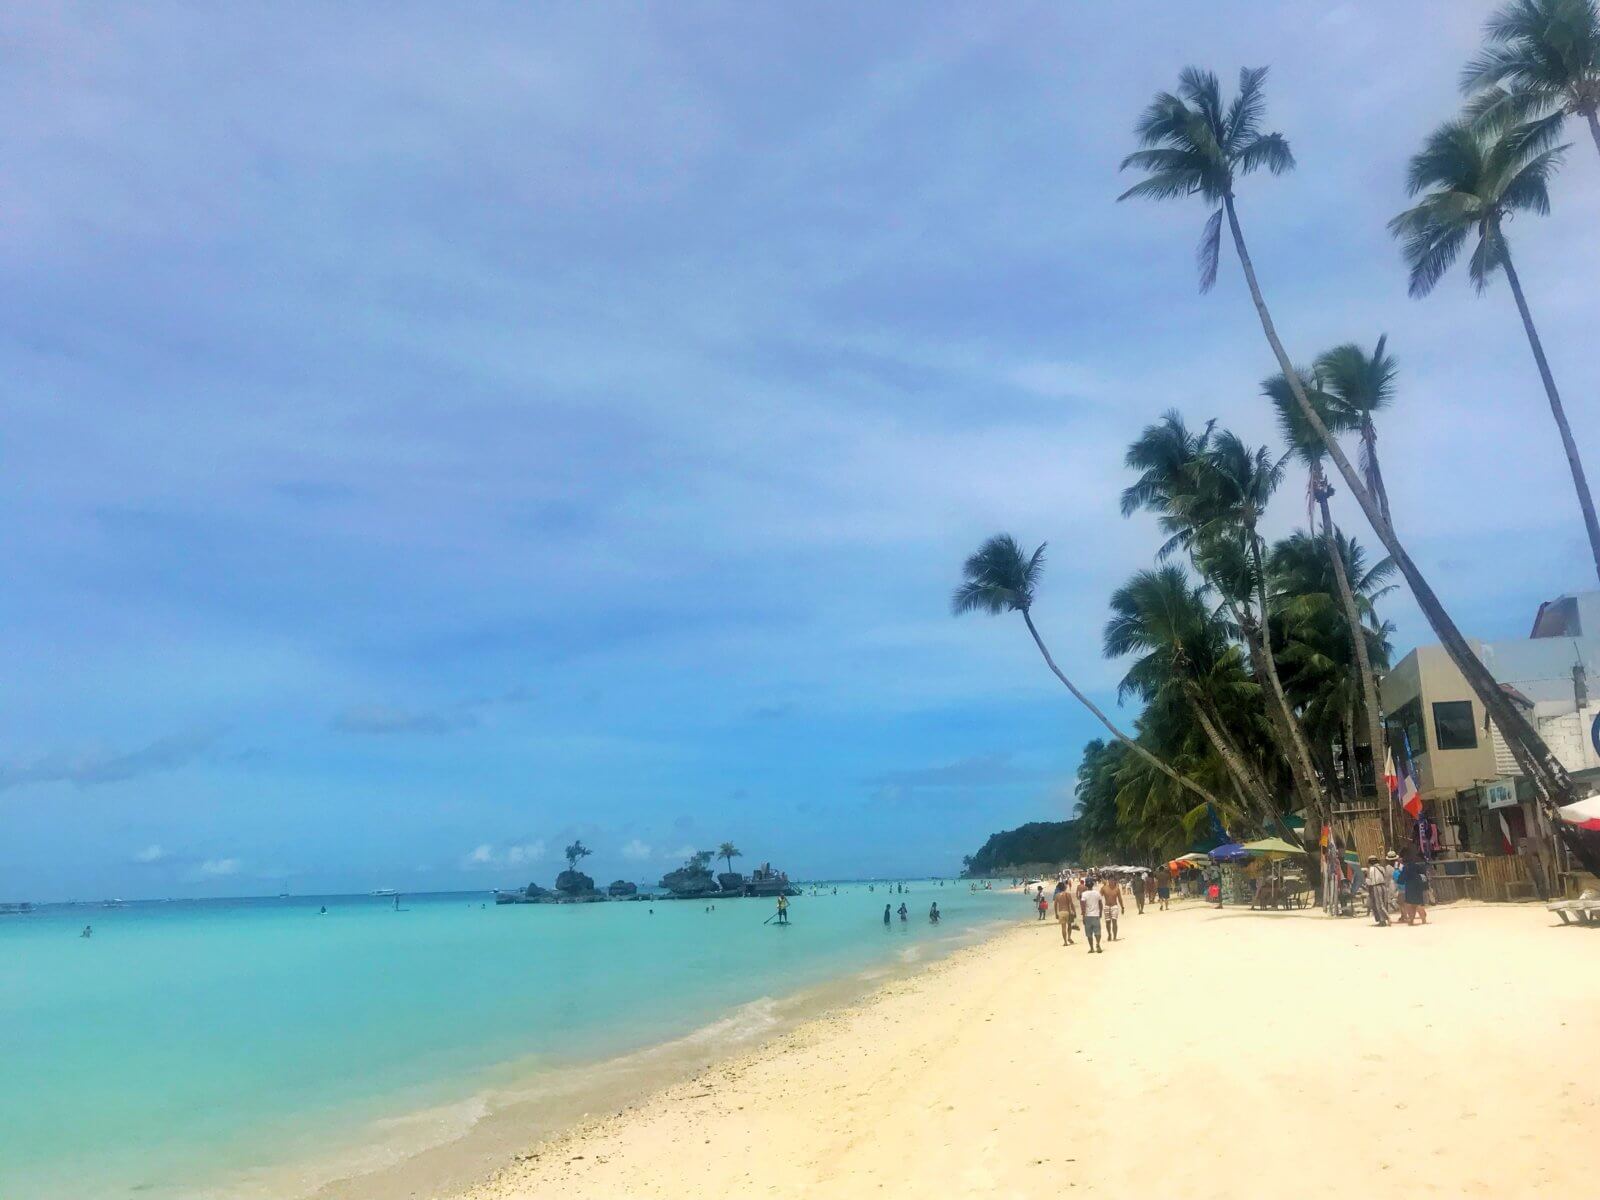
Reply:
x=1112, y=891
x=1066, y=912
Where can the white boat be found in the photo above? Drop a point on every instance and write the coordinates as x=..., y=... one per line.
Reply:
x=383, y=892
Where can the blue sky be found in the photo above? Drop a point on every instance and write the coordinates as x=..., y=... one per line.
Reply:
x=435, y=433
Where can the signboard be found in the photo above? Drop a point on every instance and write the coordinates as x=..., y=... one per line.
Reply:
x=1499, y=793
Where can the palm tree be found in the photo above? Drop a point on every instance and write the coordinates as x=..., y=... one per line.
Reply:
x=1473, y=180
x=1194, y=147
x=1354, y=386
x=1001, y=578
x=1542, y=58
x=1306, y=446
x=1236, y=483
x=1179, y=477
x=1159, y=616
x=728, y=852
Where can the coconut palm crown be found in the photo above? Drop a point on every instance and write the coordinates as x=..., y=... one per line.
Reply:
x=1193, y=144
x=1541, y=58
x=1470, y=180
x=1000, y=578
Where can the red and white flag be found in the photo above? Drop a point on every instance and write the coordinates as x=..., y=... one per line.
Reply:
x=1390, y=779
x=1410, y=797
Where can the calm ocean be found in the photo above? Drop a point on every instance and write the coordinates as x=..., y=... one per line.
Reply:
x=255, y=1048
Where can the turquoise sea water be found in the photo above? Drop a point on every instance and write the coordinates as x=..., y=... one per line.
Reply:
x=192, y=1048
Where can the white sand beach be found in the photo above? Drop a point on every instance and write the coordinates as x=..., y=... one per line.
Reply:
x=1208, y=1054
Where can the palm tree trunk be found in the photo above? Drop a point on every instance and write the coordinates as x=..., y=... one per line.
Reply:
x=1252, y=787
x=1585, y=501
x=1549, y=778
x=1305, y=789
x=1153, y=760
x=1297, y=739
x=1369, y=438
x=1358, y=640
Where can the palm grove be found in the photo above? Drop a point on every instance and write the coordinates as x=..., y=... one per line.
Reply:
x=1256, y=663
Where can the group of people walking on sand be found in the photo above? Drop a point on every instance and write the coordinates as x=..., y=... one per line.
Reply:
x=1099, y=903
x=1399, y=885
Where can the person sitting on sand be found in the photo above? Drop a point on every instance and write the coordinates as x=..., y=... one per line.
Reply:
x=1093, y=905
x=1112, y=893
x=1066, y=912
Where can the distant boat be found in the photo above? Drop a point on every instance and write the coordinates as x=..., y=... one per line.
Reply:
x=383, y=892
x=15, y=908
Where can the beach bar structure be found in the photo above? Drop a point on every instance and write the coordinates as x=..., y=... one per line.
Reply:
x=1494, y=841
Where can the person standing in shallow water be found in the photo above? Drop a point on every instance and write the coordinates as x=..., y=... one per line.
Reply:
x=886, y=915
x=904, y=911
x=933, y=913
x=783, y=910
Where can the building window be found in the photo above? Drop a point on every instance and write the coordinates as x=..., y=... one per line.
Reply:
x=1407, y=720
x=1452, y=721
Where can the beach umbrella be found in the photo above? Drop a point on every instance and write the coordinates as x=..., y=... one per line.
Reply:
x=1585, y=814
x=1232, y=852
x=1272, y=848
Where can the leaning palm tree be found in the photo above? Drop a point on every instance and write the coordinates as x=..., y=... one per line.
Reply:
x=1158, y=616
x=1235, y=483
x=728, y=852
x=1355, y=385
x=1001, y=578
x=1192, y=146
x=1306, y=446
x=1473, y=181
x=1541, y=59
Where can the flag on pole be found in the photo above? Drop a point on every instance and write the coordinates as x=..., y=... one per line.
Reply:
x=1410, y=796
x=1391, y=780
x=1506, y=843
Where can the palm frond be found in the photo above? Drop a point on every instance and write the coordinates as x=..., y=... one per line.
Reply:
x=1208, y=252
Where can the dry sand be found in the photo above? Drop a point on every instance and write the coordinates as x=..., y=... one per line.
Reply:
x=1208, y=1054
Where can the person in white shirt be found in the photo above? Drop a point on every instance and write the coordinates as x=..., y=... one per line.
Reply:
x=1377, y=890
x=1092, y=905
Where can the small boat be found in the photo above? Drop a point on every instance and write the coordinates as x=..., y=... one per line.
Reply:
x=383, y=892
x=15, y=908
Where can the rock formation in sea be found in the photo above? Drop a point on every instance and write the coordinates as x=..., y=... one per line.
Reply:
x=731, y=882
x=576, y=886
x=690, y=882
x=621, y=889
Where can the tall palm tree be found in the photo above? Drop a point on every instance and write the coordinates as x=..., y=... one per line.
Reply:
x=1473, y=180
x=1178, y=480
x=1306, y=446
x=1192, y=146
x=728, y=852
x=1355, y=385
x=1541, y=58
x=1001, y=578
x=1160, y=617
x=1236, y=483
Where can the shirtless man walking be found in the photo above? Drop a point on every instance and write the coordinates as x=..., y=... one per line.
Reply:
x=1066, y=912
x=1111, y=890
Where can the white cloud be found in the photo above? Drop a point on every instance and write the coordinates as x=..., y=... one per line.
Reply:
x=487, y=854
x=150, y=854
x=636, y=851
x=681, y=854
x=220, y=866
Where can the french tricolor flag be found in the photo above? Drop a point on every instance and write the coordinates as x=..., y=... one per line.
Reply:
x=1410, y=797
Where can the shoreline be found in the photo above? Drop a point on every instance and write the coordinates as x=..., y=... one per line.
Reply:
x=539, y=1104
x=1208, y=1046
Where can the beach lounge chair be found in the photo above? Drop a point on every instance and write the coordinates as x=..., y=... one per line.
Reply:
x=1583, y=911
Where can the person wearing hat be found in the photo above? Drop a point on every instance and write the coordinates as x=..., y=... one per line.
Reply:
x=1392, y=890
x=1377, y=891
